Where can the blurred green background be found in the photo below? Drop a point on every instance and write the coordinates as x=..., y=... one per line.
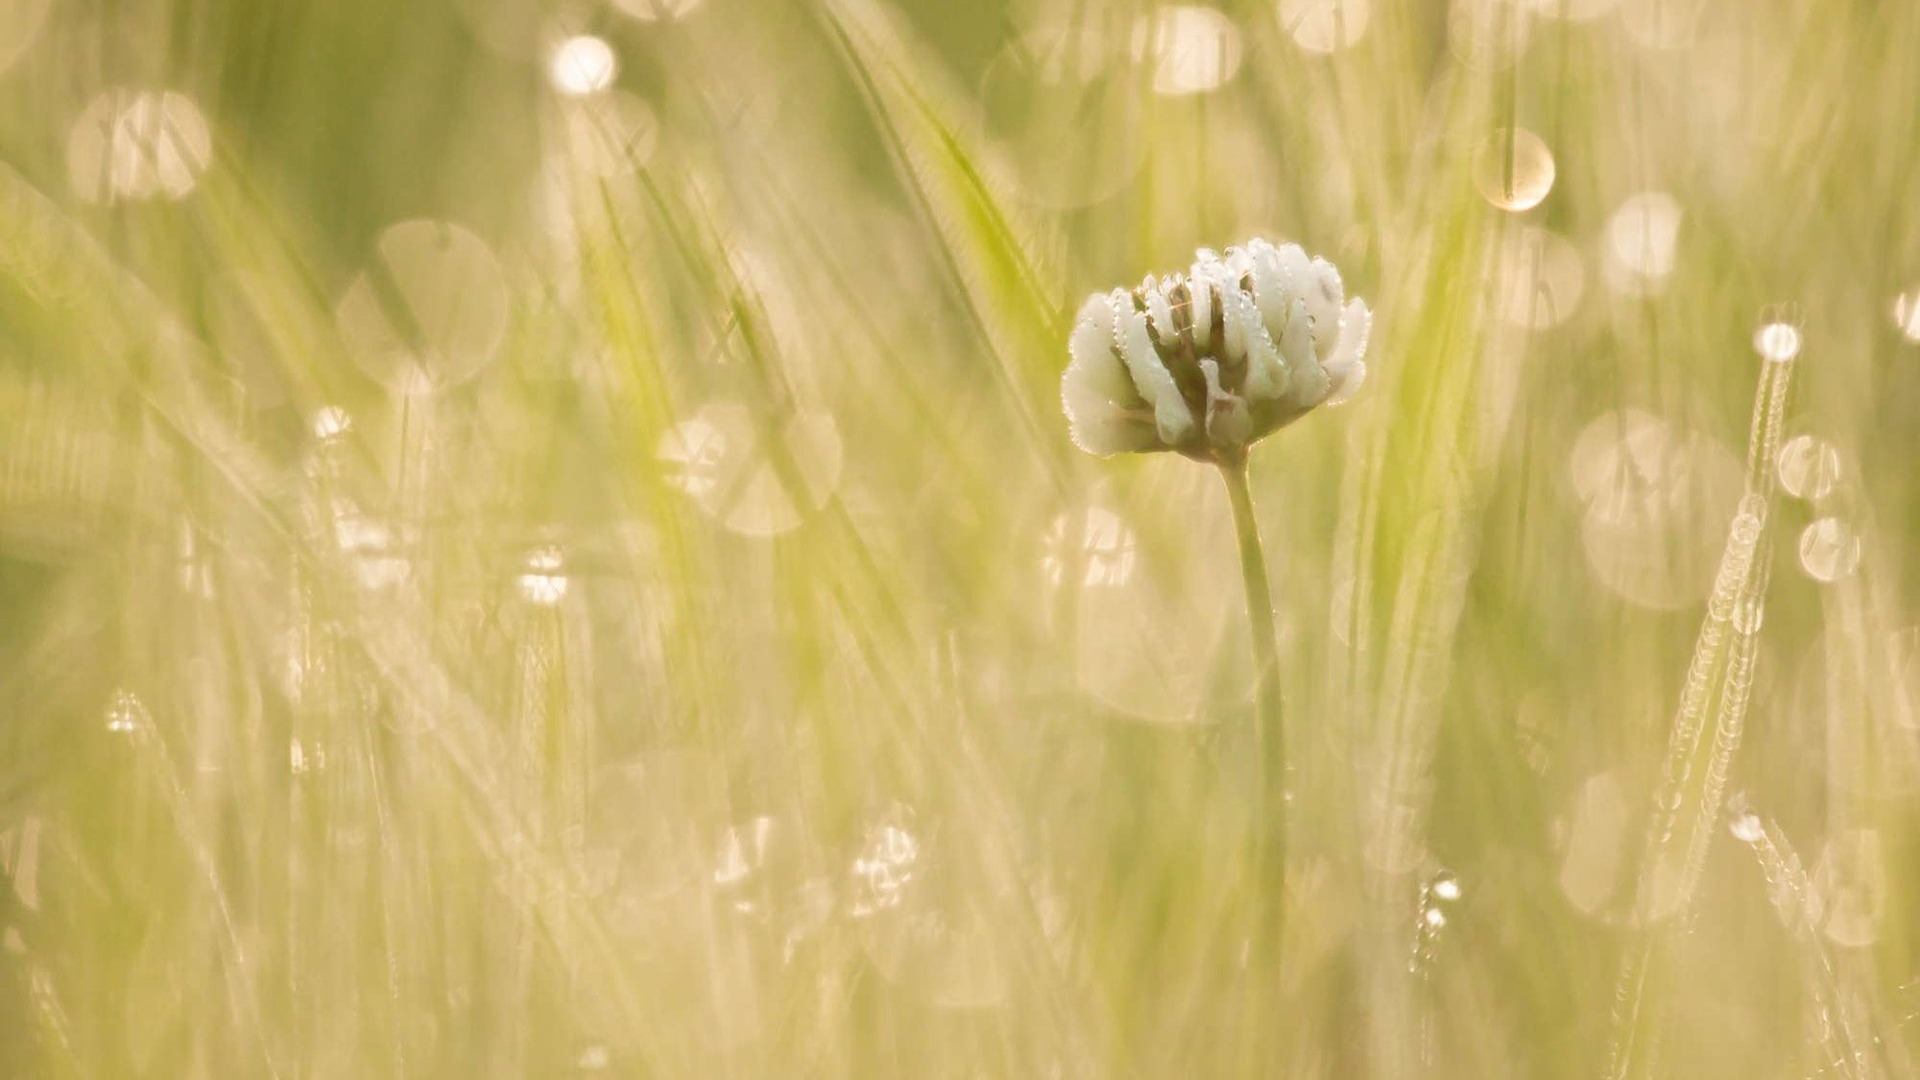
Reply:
x=538, y=540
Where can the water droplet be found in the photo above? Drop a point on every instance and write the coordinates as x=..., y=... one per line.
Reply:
x=1104, y=551
x=130, y=145
x=582, y=66
x=1434, y=918
x=430, y=311
x=1808, y=467
x=1777, y=341
x=1514, y=170
x=1906, y=314
x=1445, y=886
x=1749, y=614
x=125, y=713
x=1641, y=236
x=1829, y=550
x=543, y=579
x=1194, y=49
x=1324, y=26
x=1746, y=826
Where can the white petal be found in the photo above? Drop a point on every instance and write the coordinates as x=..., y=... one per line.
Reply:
x=1273, y=287
x=1160, y=314
x=1150, y=376
x=1239, y=322
x=1200, y=288
x=1348, y=366
x=1310, y=380
x=1324, y=294
x=1096, y=391
x=1268, y=373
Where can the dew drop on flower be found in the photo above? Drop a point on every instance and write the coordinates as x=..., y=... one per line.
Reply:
x=1777, y=341
x=1513, y=169
x=1641, y=235
x=430, y=311
x=1829, y=550
x=131, y=145
x=1192, y=49
x=582, y=66
x=1095, y=541
x=1906, y=314
x=1324, y=26
x=1809, y=467
x=543, y=578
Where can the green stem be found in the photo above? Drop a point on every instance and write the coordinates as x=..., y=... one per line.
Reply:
x=1269, y=797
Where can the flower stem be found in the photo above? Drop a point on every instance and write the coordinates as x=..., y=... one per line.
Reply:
x=1270, y=824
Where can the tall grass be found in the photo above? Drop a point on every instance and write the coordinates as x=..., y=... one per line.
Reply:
x=650, y=620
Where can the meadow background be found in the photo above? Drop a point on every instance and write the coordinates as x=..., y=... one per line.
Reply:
x=538, y=540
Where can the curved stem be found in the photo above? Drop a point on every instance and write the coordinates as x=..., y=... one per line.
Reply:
x=1269, y=798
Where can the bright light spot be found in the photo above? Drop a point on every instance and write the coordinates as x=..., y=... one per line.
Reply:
x=1446, y=887
x=1746, y=827
x=1514, y=170
x=303, y=759
x=1641, y=236
x=1096, y=540
x=130, y=145
x=718, y=458
x=1324, y=26
x=652, y=10
x=743, y=854
x=612, y=134
x=883, y=870
x=1809, y=467
x=1777, y=341
x=1435, y=918
x=1193, y=49
x=1906, y=314
x=582, y=66
x=125, y=713
x=430, y=312
x=1829, y=550
x=331, y=422
x=543, y=581
x=1544, y=279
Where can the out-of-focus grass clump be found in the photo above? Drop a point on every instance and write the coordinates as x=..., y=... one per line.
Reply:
x=538, y=539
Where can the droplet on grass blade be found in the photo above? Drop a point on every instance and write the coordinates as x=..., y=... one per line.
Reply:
x=430, y=311
x=1514, y=170
x=1809, y=467
x=1829, y=550
x=125, y=713
x=1777, y=341
x=718, y=458
x=582, y=66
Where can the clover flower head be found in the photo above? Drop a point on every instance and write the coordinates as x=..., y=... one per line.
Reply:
x=1209, y=362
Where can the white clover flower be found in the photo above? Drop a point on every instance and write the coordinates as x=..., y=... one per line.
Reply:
x=1211, y=362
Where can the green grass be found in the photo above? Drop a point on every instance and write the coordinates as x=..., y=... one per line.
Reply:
x=733, y=670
